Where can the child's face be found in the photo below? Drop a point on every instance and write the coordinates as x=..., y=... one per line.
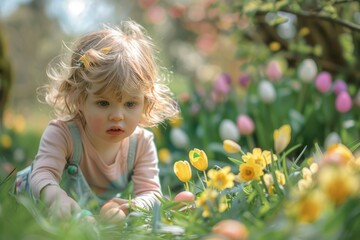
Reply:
x=109, y=120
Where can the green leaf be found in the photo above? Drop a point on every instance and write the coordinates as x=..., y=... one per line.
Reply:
x=278, y=20
x=251, y=8
x=267, y=7
x=330, y=9
x=236, y=161
x=280, y=4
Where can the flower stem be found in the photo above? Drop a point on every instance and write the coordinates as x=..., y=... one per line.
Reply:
x=205, y=178
x=187, y=188
x=202, y=182
x=263, y=182
x=250, y=142
x=260, y=192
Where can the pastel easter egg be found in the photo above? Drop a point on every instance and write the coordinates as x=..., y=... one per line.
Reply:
x=184, y=196
x=231, y=229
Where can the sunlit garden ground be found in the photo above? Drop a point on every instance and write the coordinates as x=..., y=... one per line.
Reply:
x=270, y=150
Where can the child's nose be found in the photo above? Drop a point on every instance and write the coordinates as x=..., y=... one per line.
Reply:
x=116, y=115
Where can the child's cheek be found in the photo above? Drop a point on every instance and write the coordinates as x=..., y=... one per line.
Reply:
x=97, y=124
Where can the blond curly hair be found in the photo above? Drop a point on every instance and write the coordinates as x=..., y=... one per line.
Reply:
x=120, y=59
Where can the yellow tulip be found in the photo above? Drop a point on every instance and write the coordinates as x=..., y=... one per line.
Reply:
x=19, y=124
x=282, y=137
x=164, y=155
x=5, y=141
x=182, y=170
x=198, y=159
x=176, y=121
x=231, y=147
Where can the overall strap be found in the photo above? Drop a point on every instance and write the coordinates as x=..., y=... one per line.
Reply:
x=132, y=153
x=75, y=134
x=74, y=182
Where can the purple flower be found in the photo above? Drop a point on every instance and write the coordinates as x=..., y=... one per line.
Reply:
x=194, y=109
x=343, y=102
x=245, y=125
x=339, y=86
x=323, y=82
x=222, y=83
x=244, y=80
x=273, y=71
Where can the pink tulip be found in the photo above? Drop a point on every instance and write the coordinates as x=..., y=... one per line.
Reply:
x=194, y=109
x=222, y=83
x=323, y=82
x=177, y=10
x=343, y=102
x=273, y=71
x=146, y=3
x=339, y=86
x=245, y=125
x=156, y=14
x=244, y=80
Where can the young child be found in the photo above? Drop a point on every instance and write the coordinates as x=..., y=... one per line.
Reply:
x=110, y=91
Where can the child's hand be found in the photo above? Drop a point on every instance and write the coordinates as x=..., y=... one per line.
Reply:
x=59, y=203
x=64, y=207
x=112, y=212
x=124, y=204
x=85, y=216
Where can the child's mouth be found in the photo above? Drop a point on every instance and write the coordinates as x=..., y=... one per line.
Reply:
x=115, y=131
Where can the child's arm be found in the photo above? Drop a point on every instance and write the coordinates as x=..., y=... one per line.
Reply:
x=59, y=203
x=54, y=149
x=147, y=188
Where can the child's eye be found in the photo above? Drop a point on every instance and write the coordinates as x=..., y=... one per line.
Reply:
x=102, y=103
x=130, y=104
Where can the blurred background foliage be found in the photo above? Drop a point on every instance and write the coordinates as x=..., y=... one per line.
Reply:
x=266, y=61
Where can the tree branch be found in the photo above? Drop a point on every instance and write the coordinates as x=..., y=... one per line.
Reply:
x=344, y=1
x=346, y=24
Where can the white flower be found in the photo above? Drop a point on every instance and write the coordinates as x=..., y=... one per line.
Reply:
x=228, y=130
x=331, y=139
x=179, y=138
x=19, y=155
x=307, y=70
x=266, y=91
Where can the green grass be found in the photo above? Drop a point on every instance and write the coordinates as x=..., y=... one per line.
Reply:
x=20, y=218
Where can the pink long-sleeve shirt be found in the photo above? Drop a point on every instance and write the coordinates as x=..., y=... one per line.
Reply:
x=56, y=148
